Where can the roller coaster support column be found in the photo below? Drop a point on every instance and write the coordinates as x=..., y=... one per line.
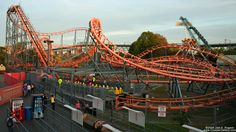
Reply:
x=203, y=88
x=174, y=88
x=49, y=42
x=61, y=45
x=199, y=89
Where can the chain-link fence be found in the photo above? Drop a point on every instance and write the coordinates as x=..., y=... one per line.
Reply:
x=69, y=93
x=60, y=120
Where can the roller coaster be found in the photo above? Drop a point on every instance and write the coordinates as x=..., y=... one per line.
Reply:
x=30, y=50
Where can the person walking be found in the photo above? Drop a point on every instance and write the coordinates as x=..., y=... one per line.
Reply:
x=52, y=100
x=28, y=89
x=10, y=122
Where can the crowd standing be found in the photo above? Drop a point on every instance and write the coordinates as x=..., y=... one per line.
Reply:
x=28, y=89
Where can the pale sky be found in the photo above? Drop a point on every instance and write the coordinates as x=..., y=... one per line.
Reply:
x=124, y=20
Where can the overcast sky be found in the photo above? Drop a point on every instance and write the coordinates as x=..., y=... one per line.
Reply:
x=124, y=20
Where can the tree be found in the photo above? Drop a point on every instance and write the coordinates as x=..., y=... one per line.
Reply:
x=147, y=40
x=3, y=54
x=230, y=51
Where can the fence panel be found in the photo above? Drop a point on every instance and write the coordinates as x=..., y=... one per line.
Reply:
x=10, y=92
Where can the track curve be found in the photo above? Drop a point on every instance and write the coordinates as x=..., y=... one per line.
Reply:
x=116, y=54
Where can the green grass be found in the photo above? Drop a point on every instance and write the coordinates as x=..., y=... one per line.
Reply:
x=157, y=92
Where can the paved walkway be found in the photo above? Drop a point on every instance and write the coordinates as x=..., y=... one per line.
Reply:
x=58, y=120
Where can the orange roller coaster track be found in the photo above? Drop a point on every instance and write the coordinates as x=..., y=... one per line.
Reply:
x=62, y=32
x=114, y=54
x=30, y=33
x=19, y=25
x=176, y=103
x=203, y=72
x=181, y=67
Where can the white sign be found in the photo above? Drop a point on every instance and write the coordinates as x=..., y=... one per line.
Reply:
x=77, y=116
x=17, y=104
x=97, y=102
x=161, y=111
x=136, y=117
x=162, y=108
x=161, y=114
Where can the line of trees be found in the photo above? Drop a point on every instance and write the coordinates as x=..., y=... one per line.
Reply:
x=149, y=39
x=3, y=54
x=225, y=51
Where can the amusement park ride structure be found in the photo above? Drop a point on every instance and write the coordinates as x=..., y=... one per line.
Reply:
x=26, y=50
x=192, y=30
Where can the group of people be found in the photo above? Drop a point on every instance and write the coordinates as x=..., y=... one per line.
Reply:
x=11, y=120
x=118, y=90
x=28, y=88
x=93, y=83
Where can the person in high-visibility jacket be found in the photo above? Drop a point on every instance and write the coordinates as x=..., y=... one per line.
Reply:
x=59, y=81
x=94, y=79
x=52, y=100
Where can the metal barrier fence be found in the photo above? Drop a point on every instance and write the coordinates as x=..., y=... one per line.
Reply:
x=68, y=93
x=81, y=90
x=58, y=120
